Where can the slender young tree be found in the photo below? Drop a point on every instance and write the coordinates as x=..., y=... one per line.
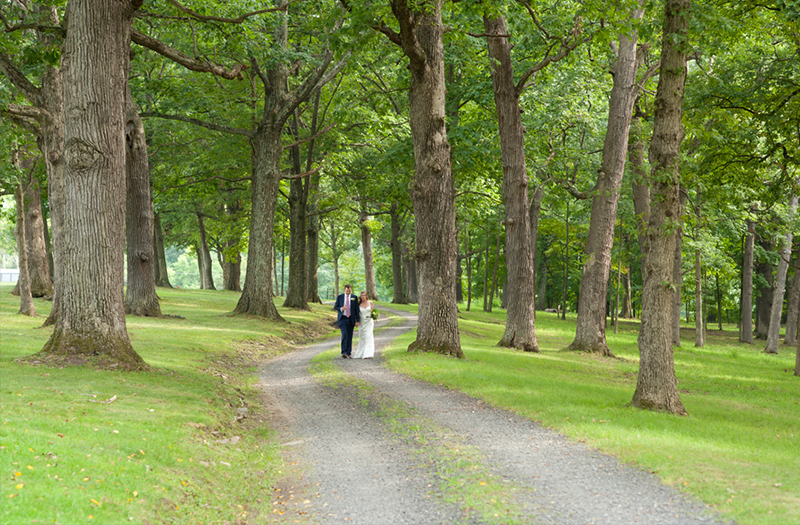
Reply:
x=776, y=311
x=656, y=387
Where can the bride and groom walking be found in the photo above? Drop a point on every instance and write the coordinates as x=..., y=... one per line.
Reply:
x=351, y=313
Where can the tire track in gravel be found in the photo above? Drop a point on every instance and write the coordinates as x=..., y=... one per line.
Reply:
x=347, y=462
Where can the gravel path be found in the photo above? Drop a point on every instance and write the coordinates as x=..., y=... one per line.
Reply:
x=399, y=451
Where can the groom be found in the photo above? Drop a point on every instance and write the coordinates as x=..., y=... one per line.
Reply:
x=348, y=317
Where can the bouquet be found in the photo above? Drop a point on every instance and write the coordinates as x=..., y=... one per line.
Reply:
x=375, y=314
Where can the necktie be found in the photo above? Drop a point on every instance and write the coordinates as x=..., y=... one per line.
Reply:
x=347, y=306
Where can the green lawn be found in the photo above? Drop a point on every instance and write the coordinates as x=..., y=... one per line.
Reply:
x=738, y=449
x=157, y=452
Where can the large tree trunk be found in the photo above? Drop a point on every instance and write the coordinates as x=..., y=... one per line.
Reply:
x=780, y=285
x=640, y=179
x=162, y=276
x=369, y=267
x=91, y=317
x=432, y=190
x=520, y=331
x=38, y=265
x=656, y=387
x=296, y=292
x=140, y=298
x=793, y=309
x=256, y=296
x=765, y=293
x=699, y=326
x=398, y=297
x=312, y=216
x=52, y=133
x=26, y=306
x=204, y=256
x=590, y=330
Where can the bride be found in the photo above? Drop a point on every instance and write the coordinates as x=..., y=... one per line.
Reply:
x=366, y=343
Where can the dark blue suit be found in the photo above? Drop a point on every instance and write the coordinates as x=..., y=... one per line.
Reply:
x=346, y=324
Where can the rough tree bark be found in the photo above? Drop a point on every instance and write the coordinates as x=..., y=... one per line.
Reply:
x=765, y=293
x=140, y=296
x=41, y=284
x=91, y=317
x=520, y=331
x=296, y=291
x=369, y=266
x=432, y=190
x=204, y=256
x=312, y=194
x=780, y=285
x=398, y=297
x=793, y=308
x=590, y=330
x=26, y=306
x=656, y=387
x=746, y=321
x=162, y=276
x=677, y=270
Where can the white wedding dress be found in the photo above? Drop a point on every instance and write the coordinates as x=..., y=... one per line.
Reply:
x=366, y=342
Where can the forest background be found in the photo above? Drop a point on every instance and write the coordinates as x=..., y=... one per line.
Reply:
x=333, y=85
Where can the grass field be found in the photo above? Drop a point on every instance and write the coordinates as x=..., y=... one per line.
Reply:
x=167, y=448
x=737, y=450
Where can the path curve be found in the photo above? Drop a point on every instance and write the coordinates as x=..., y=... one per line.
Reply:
x=345, y=462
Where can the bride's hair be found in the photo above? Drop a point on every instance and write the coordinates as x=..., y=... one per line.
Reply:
x=363, y=302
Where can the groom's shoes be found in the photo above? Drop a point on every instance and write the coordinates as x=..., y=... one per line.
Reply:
x=346, y=356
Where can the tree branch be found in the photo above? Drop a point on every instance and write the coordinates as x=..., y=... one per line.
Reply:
x=197, y=122
x=301, y=175
x=20, y=81
x=238, y=20
x=312, y=137
x=187, y=62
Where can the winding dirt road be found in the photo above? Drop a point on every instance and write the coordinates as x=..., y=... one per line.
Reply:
x=365, y=445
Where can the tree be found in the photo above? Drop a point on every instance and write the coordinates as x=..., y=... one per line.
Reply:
x=520, y=331
x=91, y=319
x=44, y=117
x=591, y=322
x=780, y=283
x=432, y=193
x=656, y=387
x=140, y=296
